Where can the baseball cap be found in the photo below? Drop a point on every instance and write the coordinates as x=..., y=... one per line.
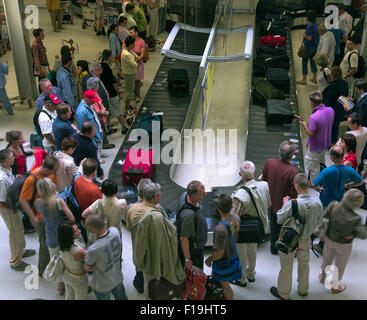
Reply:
x=52, y=99
x=92, y=95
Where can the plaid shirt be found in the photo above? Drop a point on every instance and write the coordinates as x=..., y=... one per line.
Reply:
x=237, y=207
x=39, y=50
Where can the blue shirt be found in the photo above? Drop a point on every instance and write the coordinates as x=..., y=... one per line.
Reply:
x=40, y=102
x=61, y=129
x=4, y=69
x=333, y=179
x=338, y=35
x=84, y=113
x=312, y=30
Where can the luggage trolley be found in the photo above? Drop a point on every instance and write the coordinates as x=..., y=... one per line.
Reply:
x=111, y=15
x=66, y=12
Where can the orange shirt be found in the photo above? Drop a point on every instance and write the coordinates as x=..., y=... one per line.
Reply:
x=86, y=192
x=30, y=184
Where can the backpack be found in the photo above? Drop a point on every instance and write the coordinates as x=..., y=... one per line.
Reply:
x=35, y=121
x=361, y=66
x=290, y=231
x=12, y=198
x=69, y=197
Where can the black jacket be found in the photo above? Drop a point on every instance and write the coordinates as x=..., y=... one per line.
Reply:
x=361, y=108
x=330, y=98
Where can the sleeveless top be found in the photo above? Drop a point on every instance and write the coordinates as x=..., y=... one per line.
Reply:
x=72, y=266
x=352, y=158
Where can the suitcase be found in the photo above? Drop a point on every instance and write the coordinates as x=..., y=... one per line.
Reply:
x=129, y=193
x=138, y=165
x=178, y=80
x=271, y=51
x=214, y=290
x=264, y=61
x=145, y=122
x=272, y=41
x=274, y=28
x=279, y=78
x=278, y=112
x=264, y=90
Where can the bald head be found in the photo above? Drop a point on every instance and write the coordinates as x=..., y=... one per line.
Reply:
x=336, y=154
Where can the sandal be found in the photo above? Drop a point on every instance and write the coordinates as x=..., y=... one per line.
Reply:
x=341, y=288
x=61, y=291
x=312, y=80
x=302, y=82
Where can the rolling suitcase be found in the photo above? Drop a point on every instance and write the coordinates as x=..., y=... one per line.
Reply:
x=271, y=51
x=264, y=90
x=272, y=41
x=278, y=112
x=279, y=78
x=138, y=165
x=178, y=80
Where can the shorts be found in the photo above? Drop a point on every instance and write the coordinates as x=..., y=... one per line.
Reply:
x=130, y=86
x=115, y=108
x=99, y=11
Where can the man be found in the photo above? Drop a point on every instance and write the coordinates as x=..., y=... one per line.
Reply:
x=54, y=8
x=111, y=85
x=4, y=69
x=45, y=121
x=310, y=208
x=12, y=218
x=47, y=89
x=27, y=199
x=327, y=44
x=152, y=7
x=223, y=248
x=243, y=206
x=358, y=28
x=349, y=64
x=319, y=134
x=336, y=178
x=103, y=258
x=154, y=243
x=86, y=148
x=162, y=15
x=361, y=104
x=62, y=127
x=340, y=39
x=123, y=31
x=41, y=67
x=192, y=229
x=345, y=19
x=279, y=174
x=129, y=16
x=86, y=113
x=65, y=81
x=141, y=21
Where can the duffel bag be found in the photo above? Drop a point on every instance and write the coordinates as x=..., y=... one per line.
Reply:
x=264, y=90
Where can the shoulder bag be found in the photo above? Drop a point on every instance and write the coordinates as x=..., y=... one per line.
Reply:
x=54, y=270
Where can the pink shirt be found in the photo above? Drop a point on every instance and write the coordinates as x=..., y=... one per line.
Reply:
x=139, y=44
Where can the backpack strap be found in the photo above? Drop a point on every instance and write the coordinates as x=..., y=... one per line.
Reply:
x=295, y=212
x=350, y=67
x=252, y=199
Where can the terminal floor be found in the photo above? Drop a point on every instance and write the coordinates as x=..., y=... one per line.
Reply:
x=12, y=283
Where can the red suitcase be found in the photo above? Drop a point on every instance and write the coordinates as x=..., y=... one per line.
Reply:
x=272, y=41
x=138, y=165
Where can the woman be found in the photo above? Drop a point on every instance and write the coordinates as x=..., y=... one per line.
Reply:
x=81, y=71
x=72, y=254
x=324, y=77
x=338, y=87
x=139, y=49
x=57, y=64
x=129, y=69
x=310, y=41
x=67, y=169
x=349, y=144
x=53, y=210
x=344, y=225
x=15, y=141
x=115, y=47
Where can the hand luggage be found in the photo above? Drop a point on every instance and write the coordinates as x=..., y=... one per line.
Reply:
x=272, y=41
x=279, y=78
x=264, y=90
x=138, y=165
x=162, y=289
x=264, y=61
x=128, y=193
x=214, y=290
x=194, y=284
x=279, y=51
x=178, y=80
x=274, y=28
x=146, y=121
x=278, y=112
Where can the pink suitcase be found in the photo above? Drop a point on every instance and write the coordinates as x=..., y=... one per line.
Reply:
x=138, y=165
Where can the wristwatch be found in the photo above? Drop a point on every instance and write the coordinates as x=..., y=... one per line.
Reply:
x=187, y=260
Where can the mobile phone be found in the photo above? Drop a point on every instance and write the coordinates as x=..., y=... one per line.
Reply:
x=298, y=117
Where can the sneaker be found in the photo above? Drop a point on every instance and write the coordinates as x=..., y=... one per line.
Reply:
x=274, y=292
x=274, y=251
x=98, y=33
x=108, y=146
x=139, y=289
x=238, y=283
x=103, y=31
x=21, y=267
x=302, y=294
x=250, y=280
x=103, y=155
x=29, y=253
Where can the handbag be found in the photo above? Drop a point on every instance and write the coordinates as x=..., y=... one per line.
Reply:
x=164, y=290
x=251, y=229
x=302, y=51
x=54, y=270
x=194, y=284
x=227, y=269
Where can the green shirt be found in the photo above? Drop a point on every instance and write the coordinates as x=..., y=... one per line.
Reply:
x=139, y=17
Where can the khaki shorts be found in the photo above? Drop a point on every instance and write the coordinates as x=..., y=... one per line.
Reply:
x=115, y=108
x=130, y=86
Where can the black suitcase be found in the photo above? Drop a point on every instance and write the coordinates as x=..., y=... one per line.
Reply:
x=278, y=112
x=279, y=78
x=129, y=193
x=274, y=28
x=214, y=290
x=272, y=51
x=178, y=80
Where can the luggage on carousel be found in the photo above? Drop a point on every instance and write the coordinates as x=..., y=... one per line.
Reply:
x=264, y=61
x=138, y=165
x=272, y=41
x=274, y=28
x=178, y=80
x=264, y=90
x=128, y=193
x=279, y=78
x=278, y=112
x=279, y=51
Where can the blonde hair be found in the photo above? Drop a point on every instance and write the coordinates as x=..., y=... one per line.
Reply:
x=47, y=191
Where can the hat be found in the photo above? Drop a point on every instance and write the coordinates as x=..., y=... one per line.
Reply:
x=92, y=95
x=52, y=99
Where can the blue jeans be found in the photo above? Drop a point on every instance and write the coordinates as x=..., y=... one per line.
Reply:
x=118, y=292
x=311, y=53
x=5, y=100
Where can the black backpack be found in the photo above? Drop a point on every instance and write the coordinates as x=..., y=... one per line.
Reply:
x=35, y=121
x=361, y=66
x=12, y=198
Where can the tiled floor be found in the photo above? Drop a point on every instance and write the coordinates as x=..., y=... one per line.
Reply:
x=12, y=284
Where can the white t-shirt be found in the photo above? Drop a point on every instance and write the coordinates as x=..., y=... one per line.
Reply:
x=322, y=80
x=346, y=22
x=327, y=46
x=45, y=124
x=344, y=65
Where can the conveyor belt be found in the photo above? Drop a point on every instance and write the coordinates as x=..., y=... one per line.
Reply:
x=263, y=141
